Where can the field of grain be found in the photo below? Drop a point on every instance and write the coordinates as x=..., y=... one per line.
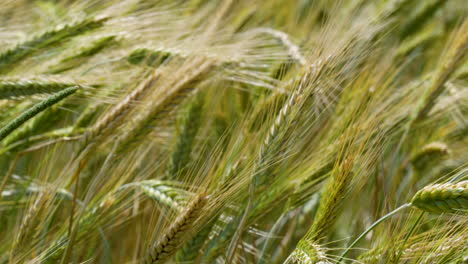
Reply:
x=234, y=131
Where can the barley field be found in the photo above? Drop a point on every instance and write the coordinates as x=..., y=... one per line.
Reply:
x=234, y=131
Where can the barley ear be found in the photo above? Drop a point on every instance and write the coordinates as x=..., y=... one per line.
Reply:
x=293, y=50
x=421, y=18
x=40, y=123
x=152, y=58
x=111, y=120
x=36, y=109
x=194, y=247
x=307, y=252
x=12, y=88
x=429, y=154
x=334, y=193
x=160, y=196
x=183, y=148
x=179, y=91
x=54, y=36
x=178, y=233
x=442, y=198
x=76, y=59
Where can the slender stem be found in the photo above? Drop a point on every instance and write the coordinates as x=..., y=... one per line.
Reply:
x=376, y=223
